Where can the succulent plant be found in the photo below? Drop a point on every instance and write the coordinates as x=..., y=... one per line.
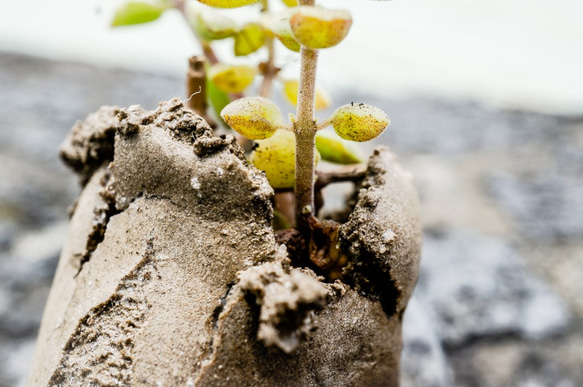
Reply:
x=286, y=151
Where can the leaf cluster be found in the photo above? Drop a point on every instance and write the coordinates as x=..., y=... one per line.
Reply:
x=258, y=118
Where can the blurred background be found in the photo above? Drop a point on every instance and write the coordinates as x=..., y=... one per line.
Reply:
x=486, y=104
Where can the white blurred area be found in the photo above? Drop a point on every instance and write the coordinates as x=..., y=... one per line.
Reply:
x=515, y=54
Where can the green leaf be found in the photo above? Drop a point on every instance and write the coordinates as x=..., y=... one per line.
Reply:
x=256, y=118
x=276, y=156
x=217, y=98
x=209, y=24
x=359, y=122
x=289, y=42
x=318, y=27
x=334, y=149
x=291, y=88
x=249, y=39
x=228, y=3
x=231, y=78
x=278, y=24
x=137, y=12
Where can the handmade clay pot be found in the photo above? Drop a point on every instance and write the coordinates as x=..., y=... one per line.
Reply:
x=171, y=274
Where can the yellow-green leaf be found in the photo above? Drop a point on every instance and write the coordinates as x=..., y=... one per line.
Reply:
x=289, y=41
x=291, y=88
x=276, y=156
x=249, y=39
x=210, y=24
x=278, y=24
x=136, y=12
x=256, y=118
x=228, y=3
x=336, y=150
x=359, y=122
x=290, y=3
x=231, y=78
x=217, y=98
x=318, y=27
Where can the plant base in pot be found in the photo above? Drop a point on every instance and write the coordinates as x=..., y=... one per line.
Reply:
x=171, y=274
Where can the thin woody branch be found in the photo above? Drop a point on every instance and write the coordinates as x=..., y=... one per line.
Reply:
x=196, y=88
x=353, y=173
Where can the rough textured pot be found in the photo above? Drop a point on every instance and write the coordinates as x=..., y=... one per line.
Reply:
x=171, y=274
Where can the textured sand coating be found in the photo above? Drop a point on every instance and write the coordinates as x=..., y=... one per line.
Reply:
x=171, y=274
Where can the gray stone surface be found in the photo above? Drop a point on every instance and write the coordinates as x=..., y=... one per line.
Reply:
x=39, y=102
x=501, y=196
x=424, y=363
x=478, y=288
x=551, y=196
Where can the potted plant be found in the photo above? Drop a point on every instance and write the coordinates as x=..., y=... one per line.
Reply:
x=175, y=273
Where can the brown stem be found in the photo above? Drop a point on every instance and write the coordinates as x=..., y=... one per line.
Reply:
x=208, y=51
x=196, y=88
x=353, y=173
x=347, y=173
x=305, y=129
x=268, y=69
x=206, y=48
x=180, y=5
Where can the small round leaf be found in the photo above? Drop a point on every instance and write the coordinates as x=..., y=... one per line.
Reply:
x=256, y=118
x=318, y=27
x=136, y=12
x=291, y=88
x=334, y=149
x=249, y=39
x=218, y=99
x=231, y=78
x=210, y=24
x=291, y=3
x=228, y=3
x=276, y=157
x=278, y=24
x=359, y=122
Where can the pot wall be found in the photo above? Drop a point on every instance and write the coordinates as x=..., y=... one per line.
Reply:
x=171, y=274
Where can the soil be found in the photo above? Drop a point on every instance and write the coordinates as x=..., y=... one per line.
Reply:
x=171, y=274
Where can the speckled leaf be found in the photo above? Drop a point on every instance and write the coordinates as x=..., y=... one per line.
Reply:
x=276, y=157
x=231, y=78
x=256, y=118
x=336, y=150
x=359, y=122
x=249, y=39
x=136, y=12
x=318, y=27
x=291, y=88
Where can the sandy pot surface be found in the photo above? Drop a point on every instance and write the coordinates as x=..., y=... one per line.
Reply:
x=171, y=274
